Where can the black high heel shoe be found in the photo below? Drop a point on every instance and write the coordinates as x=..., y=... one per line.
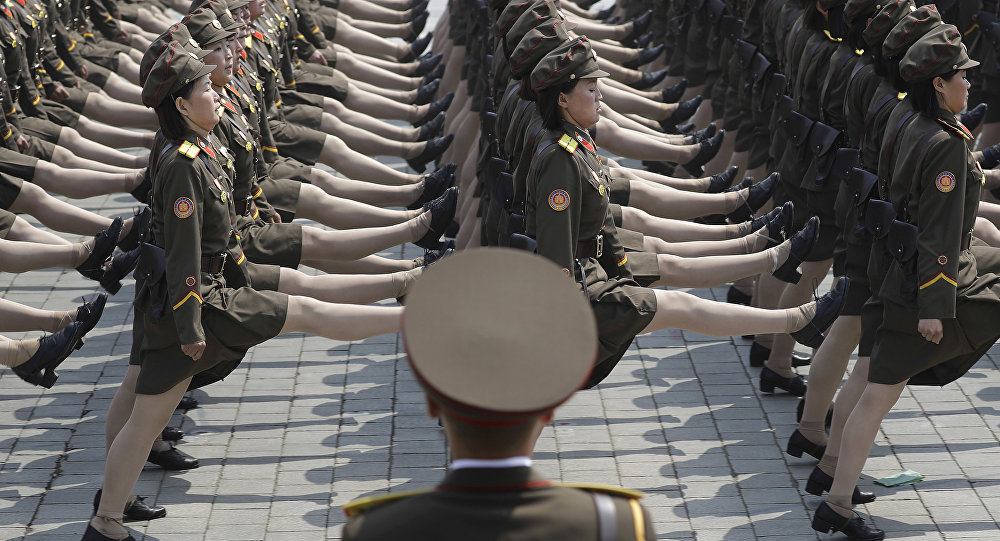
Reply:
x=432, y=151
x=137, y=233
x=759, y=194
x=442, y=213
x=645, y=56
x=137, y=510
x=418, y=24
x=436, y=108
x=721, y=182
x=705, y=133
x=89, y=314
x=433, y=75
x=172, y=459
x=426, y=63
x=171, y=433
x=802, y=244
x=639, y=27
x=432, y=128
x=121, y=264
x=819, y=482
x=759, y=354
x=769, y=380
x=798, y=444
x=709, y=148
x=972, y=118
x=104, y=246
x=684, y=111
x=52, y=351
x=426, y=92
x=827, y=520
x=778, y=222
x=674, y=93
x=417, y=47
x=649, y=79
x=93, y=535
x=828, y=307
x=434, y=185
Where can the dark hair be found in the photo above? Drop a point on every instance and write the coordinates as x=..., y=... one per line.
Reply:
x=888, y=68
x=813, y=19
x=923, y=95
x=548, y=104
x=171, y=122
x=855, y=38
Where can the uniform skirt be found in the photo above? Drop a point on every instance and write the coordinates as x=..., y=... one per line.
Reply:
x=6, y=222
x=305, y=115
x=622, y=309
x=283, y=195
x=18, y=165
x=271, y=244
x=321, y=80
x=298, y=142
x=10, y=188
x=234, y=320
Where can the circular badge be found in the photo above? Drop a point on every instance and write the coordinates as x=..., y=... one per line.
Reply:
x=183, y=207
x=942, y=260
x=249, y=146
x=945, y=182
x=601, y=189
x=559, y=200
x=190, y=281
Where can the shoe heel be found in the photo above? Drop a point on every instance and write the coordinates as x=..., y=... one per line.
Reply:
x=795, y=451
x=815, y=488
x=48, y=379
x=79, y=343
x=822, y=526
x=111, y=287
x=766, y=387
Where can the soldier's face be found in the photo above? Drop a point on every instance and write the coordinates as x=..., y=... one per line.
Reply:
x=953, y=94
x=582, y=105
x=256, y=9
x=221, y=56
x=201, y=108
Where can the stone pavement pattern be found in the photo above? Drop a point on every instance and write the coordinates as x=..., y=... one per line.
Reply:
x=308, y=424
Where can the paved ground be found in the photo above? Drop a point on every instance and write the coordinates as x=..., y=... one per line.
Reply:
x=307, y=424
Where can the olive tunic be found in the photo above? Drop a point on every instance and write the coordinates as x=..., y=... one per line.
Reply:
x=936, y=187
x=513, y=503
x=193, y=218
x=567, y=204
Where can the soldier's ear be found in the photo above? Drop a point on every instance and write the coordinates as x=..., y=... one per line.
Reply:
x=181, y=105
x=562, y=101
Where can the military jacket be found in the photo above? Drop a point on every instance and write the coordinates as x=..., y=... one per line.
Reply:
x=567, y=201
x=193, y=217
x=935, y=186
x=498, y=503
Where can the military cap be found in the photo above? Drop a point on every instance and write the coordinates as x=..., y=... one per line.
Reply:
x=858, y=11
x=941, y=50
x=537, y=43
x=205, y=26
x=539, y=14
x=510, y=14
x=497, y=336
x=225, y=16
x=884, y=21
x=176, y=32
x=568, y=62
x=176, y=67
x=907, y=31
x=230, y=4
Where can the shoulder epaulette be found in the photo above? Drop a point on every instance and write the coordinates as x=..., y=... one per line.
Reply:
x=568, y=143
x=189, y=149
x=959, y=130
x=607, y=489
x=361, y=505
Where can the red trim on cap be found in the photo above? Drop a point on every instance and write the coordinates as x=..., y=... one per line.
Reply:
x=504, y=27
x=557, y=70
x=941, y=52
x=537, y=43
x=930, y=8
x=169, y=60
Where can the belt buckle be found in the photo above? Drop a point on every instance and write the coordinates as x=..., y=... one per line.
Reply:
x=600, y=245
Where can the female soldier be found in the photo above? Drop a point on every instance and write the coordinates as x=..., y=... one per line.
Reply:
x=938, y=313
x=189, y=316
x=567, y=213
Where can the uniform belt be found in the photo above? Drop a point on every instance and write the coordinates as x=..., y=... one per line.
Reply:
x=243, y=206
x=590, y=248
x=212, y=264
x=966, y=240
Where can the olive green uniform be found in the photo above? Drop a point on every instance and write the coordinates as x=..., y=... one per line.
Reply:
x=566, y=211
x=936, y=187
x=193, y=221
x=500, y=503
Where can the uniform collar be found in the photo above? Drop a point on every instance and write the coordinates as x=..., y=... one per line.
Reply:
x=493, y=479
x=581, y=135
x=951, y=123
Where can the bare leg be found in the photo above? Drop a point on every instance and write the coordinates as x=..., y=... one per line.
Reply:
x=680, y=205
x=780, y=360
x=361, y=71
x=629, y=144
x=714, y=270
x=119, y=113
x=319, y=245
x=86, y=148
x=987, y=231
x=359, y=9
x=337, y=155
x=675, y=230
x=18, y=257
x=15, y=317
x=368, y=43
x=123, y=90
x=128, y=67
x=55, y=214
x=347, y=288
x=367, y=143
x=81, y=184
x=370, y=123
x=825, y=374
x=372, y=264
x=382, y=107
x=339, y=321
x=115, y=137
x=315, y=204
x=680, y=310
x=366, y=192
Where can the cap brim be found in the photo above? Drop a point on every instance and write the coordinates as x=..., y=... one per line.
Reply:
x=209, y=68
x=596, y=74
x=968, y=64
x=237, y=4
